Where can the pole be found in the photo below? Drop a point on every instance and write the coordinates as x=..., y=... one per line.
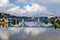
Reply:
x=38, y=22
x=23, y=24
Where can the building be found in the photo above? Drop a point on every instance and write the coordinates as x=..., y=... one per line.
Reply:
x=51, y=16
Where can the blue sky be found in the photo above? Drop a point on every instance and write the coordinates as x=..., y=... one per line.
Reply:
x=31, y=7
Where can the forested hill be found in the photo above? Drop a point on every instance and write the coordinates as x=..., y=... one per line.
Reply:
x=6, y=15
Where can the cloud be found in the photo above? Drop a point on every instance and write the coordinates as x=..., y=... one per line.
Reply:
x=3, y=2
x=15, y=9
x=50, y=1
x=39, y=1
x=27, y=1
x=5, y=5
x=29, y=10
x=33, y=10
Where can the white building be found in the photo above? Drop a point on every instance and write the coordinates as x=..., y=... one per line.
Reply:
x=51, y=16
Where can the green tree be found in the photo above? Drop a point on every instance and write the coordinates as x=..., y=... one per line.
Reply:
x=57, y=23
x=15, y=22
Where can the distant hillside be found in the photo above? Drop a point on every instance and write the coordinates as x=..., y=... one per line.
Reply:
x=6, y=15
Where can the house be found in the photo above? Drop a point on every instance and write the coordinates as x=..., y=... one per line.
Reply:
x=51, y=16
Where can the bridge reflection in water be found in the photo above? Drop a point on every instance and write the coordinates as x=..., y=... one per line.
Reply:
x=33, y=22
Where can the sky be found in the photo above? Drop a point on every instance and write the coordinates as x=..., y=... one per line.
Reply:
x=30, y=7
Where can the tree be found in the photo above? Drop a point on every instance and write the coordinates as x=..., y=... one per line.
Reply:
x=47, y=21
x=57, y=23
x=15, y=22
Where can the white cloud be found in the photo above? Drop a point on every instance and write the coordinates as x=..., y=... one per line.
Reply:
x=50, y=1
x=15, y=9
x=33, y=10
x=5, y=5
x=39, y=1
x=3, y=2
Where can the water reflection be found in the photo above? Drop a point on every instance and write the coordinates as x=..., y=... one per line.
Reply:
x=31, y=23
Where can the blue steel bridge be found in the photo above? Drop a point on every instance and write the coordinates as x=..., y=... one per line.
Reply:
x=33, y=22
